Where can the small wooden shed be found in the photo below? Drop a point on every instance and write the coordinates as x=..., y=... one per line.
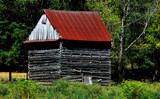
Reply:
x=72, y=45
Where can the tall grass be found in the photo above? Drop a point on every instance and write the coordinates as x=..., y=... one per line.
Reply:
x=76, y=90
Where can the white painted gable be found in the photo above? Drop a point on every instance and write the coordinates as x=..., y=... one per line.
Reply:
x=44, y=30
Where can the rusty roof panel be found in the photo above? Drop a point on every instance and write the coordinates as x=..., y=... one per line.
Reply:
x=78, y=25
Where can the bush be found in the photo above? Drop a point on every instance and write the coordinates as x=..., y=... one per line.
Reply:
x=115, y=92
x=152, y=91
x=140, y=90
x=74, y=90
x=4, y=90
x=25, y=89
x=132, y=89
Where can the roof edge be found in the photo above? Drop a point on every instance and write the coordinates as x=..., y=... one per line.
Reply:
x=53, y=40
x=36, y=41
x=88, y=40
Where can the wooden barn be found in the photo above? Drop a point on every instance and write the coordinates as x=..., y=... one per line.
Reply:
x=72, y=45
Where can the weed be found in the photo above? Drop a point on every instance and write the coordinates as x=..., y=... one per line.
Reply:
x=77, y=90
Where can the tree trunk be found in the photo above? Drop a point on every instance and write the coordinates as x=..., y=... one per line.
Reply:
x=154, y=74
x=27, y=76
x=132, y=70
x=121, y=71
x=132, y=66
x=10, y=74
x=144, y=74
x=121, y=55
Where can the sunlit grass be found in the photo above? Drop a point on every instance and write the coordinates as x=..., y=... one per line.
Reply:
x=4, y=76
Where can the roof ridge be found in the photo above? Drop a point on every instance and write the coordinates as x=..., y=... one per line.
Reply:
x=68, y=11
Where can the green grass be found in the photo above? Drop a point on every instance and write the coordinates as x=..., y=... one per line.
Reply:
x=76, y=90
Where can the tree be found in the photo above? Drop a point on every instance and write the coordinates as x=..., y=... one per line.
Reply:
x=144, y=14
x=12, y=34
x=153, y=42
x=133, y=19
x=11, y=40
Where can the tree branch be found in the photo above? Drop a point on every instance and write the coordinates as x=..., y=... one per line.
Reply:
x=127, y=3
x=146, y=24
x=132, y=9
x=118, y=36
x=137, y=37
x=134, y=21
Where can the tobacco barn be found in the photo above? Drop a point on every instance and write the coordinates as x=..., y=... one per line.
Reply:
x=72, y=45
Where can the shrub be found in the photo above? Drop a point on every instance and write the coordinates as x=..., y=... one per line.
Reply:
x=141, y=90
x=115, y=92
x=133, y=89
x=152, y=91
x=66, y=89
x=25, y=89
x=76, y=90
x=4, y=90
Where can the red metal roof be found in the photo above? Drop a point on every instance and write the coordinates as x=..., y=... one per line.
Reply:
x=78, y=25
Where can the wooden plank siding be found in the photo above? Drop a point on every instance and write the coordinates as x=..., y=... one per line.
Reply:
x=78, y=63
x=43, y=65
x=47, y=65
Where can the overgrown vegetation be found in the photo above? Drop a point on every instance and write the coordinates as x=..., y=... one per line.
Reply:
x=77, y=90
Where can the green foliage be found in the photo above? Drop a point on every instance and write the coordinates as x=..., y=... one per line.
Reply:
x=151, y=45
x=12, y=36
x=4, y=90
x=115, y=92
x=23, y=89
x=132, y=89
x=140, y=55
x=140, y=90
x=76, y=90
x=153, y=32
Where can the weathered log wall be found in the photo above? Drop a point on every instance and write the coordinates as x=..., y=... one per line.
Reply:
x=82, y=62
x=68, y=62
x=43, y=65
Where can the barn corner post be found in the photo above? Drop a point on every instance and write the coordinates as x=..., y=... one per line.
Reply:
x=60, y=58
x=28, y=66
